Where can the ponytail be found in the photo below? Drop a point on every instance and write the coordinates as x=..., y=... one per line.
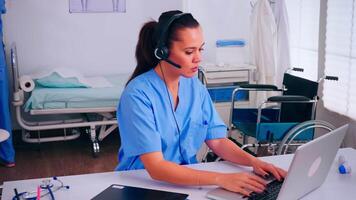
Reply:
x=145, y=57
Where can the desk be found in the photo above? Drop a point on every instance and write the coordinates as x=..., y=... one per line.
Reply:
x=336, y=186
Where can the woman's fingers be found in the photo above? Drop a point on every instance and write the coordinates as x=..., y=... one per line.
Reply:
x=261, y=172
x=251, y=188
x=251, y=182
x=274, y=171
x=244, y=188
x=243, y=183
x=282, y=172
x=264, y=167
x=243, y=191
x=257, y=179
x=236, y=186
x=254, y=186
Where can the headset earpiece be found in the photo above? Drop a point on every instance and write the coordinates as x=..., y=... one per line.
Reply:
x=161, y=53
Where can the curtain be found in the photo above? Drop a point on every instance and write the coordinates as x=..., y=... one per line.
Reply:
x=7, y=153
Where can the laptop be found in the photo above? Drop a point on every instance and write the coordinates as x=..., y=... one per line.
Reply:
x=309, y=168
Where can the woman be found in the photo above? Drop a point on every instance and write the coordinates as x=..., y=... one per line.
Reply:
x=165, y=114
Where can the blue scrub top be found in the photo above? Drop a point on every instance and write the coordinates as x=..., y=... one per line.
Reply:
x=147, y=123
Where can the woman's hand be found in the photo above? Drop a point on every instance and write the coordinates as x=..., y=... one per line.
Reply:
x=243, y=183
x=263, y=168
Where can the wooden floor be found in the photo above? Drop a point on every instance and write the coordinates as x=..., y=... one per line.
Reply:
x=61, y=158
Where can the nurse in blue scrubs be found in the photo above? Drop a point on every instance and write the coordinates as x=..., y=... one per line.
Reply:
x=165, y=114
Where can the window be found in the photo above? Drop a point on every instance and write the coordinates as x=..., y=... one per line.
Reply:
x=303, y=17
x=340, y=57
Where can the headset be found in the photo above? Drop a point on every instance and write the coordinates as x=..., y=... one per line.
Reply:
x=161, y=51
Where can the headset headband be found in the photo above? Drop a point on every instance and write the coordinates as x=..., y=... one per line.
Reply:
x=163, y=36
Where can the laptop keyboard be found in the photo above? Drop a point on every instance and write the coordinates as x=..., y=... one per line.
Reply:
x=271, y=192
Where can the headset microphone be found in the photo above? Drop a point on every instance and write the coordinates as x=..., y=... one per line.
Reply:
x=172, y=63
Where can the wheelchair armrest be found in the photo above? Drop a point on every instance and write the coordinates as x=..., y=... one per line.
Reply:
x=249, y=87
x=259, y=86
x=287, y=98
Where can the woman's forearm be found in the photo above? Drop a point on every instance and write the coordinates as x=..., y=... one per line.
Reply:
x=162, y=170
x=229, y=151
x=177, y=174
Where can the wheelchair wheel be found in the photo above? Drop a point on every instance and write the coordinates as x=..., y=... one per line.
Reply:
x=300, y=128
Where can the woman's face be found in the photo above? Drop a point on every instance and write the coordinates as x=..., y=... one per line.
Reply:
x=187, y=51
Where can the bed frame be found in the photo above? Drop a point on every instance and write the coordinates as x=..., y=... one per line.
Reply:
x=105, y=121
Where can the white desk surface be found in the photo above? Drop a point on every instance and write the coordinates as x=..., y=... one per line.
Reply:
x=336, y=186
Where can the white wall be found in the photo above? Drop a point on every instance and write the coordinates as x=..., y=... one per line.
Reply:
x=47, y=36
x=228, y=19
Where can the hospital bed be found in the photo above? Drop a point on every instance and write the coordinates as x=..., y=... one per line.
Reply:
x=90, y=108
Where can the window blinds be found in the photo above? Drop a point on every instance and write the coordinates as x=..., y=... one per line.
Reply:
x=340, y=57
x=304, y=35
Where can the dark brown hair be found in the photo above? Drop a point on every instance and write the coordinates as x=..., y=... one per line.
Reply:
x=149, y=36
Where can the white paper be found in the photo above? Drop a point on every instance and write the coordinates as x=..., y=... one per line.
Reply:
x=26, y=83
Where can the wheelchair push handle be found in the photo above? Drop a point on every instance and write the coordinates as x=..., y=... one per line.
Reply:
x=332, y=78
x=298, y=69
x=329, y=78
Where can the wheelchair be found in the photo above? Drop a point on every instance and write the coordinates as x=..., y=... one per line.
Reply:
x=282, y=121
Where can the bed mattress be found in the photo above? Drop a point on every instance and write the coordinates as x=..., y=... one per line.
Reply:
x=59, y=98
